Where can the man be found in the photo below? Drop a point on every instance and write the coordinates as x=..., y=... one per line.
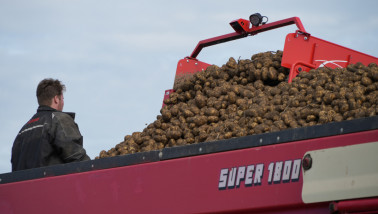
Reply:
x=50, y=136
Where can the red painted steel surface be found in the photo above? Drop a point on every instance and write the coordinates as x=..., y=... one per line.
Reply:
x=184, y=185
x=185, y=68
x=190, y=66
x=303, y=52
x=240, y=25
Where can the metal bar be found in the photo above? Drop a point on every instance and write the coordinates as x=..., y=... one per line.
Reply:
x=214, y=41
x=278, y=24
x=359, y=205
x=251, y=31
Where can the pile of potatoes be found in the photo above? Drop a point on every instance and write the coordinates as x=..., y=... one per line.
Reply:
x=252, y=96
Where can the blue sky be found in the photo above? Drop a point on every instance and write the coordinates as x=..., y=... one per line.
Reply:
x=117, y=57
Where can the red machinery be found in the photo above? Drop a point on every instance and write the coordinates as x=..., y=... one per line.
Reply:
x=302, y=51
x=329, y=168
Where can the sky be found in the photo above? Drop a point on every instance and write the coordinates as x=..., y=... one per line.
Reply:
x=117, y=57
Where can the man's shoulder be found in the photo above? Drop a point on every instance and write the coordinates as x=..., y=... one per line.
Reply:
x=64, y=115
x=47, y=109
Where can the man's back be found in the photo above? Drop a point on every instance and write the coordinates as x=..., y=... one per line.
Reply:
x=49, y=137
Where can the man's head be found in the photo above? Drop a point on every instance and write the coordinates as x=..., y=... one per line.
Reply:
x=50, y=93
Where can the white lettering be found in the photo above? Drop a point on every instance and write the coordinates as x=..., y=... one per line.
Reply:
x=258, y=174
x=231, y=178
x=286, y=171
x=248, y=176
x=241, y=172
x=296, y=170
x=270, y=168
x=223, y=179
x=277, y=172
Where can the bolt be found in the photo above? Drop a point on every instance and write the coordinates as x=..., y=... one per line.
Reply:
x=307, y=162
x=160, y=154
x=200, y=149
x=300, y=69
x=333, y=208
x=305, y=38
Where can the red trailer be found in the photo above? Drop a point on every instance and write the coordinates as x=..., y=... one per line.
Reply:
x=328, y=168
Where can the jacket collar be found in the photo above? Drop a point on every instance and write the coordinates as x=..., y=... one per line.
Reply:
x=48, y=108
x=45, y=108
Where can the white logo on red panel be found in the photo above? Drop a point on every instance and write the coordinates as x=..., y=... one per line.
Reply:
x=252, y=175
x=333, y=62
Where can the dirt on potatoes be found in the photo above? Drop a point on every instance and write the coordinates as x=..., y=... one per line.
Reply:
x=252, y=96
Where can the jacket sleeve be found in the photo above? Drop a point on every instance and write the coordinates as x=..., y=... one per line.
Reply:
x=68, y=140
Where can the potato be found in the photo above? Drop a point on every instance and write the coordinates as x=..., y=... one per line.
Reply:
x=251, y=96
x=200, y=120
x=201, y=100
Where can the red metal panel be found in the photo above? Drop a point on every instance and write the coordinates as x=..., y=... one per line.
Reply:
x=184, y=185
x=186, y=68
x=303, y=52
x=190, y=66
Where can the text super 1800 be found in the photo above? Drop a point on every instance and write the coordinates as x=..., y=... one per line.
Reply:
x=252, y=175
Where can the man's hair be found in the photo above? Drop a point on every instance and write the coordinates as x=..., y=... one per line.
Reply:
x=48, y=89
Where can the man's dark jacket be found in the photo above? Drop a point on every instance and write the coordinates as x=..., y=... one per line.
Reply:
x=49, y=137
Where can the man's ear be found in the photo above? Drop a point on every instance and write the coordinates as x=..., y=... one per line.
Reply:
x=56, y=99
